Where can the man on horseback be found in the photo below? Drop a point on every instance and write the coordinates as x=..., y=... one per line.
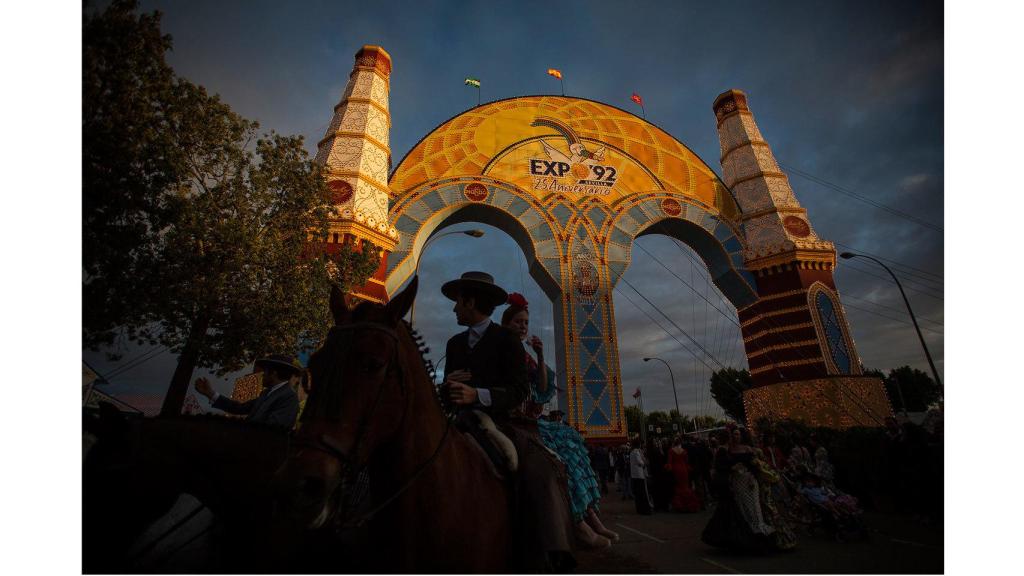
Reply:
x=277, y=405
x=486, y=371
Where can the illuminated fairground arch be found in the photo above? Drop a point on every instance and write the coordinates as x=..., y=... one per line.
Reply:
x=575, y=182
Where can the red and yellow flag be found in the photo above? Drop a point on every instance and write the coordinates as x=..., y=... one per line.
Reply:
x=636, y=98
x=555, y=73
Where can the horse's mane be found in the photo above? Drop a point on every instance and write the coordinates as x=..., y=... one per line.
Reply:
x=325, y=397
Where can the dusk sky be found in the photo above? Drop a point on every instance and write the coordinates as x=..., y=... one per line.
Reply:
x=850, y=94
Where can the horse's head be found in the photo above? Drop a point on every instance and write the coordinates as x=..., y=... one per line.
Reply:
x=360, y=391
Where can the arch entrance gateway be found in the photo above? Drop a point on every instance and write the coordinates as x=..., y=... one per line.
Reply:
x=574, y=182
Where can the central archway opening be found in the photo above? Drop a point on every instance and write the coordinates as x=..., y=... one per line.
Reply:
x=668, y=306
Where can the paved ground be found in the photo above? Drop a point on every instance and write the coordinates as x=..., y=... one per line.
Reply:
x=670, y=543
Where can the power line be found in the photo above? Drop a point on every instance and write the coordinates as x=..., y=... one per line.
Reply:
x=123, y=369
x=938, y=277
x=866, y=200
x=902, y=312
x=888, y=280
x=901, y=321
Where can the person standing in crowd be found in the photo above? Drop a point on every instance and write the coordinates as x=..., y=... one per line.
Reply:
x=823, y=468
x=738, y=523
x=638, y=478
x=700, y=468
x=622, y=468
x=277, y=405
x=683, y=497
x=563, y=440
x=659, y=479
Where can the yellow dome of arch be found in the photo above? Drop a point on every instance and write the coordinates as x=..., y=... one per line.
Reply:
x=558, y=144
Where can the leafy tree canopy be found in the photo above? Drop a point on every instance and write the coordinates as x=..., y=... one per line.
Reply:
x=727, y=387
x=197, y=227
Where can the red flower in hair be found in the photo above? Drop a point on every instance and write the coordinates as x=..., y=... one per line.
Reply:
x=517, y=299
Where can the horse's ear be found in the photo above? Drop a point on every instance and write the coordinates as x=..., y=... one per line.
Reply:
x=339, y=309
x=399, y=306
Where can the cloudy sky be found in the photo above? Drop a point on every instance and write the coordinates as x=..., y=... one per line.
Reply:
x=848, y=94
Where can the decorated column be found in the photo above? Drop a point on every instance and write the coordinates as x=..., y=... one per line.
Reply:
x=356, y=154
x=802, y=358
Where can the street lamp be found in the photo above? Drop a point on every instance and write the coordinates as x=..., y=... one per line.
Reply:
x=416, y=270
x=672, y=376
x=935, y=373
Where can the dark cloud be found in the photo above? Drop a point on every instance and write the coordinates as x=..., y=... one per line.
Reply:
x=850, y=92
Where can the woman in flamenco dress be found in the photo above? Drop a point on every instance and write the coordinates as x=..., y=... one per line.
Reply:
x=563, y=440
x=684, y=499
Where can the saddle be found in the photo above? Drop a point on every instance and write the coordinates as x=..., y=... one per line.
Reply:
x=498, y=447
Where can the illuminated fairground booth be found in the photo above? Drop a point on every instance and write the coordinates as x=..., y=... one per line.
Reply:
x=574, y=182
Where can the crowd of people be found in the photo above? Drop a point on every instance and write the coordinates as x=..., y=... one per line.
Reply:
x=760, y=490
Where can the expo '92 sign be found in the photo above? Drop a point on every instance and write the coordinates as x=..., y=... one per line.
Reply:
x=581, y=171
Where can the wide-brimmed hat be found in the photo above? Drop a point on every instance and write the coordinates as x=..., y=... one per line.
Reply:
x=482, y=282
x=280, y=361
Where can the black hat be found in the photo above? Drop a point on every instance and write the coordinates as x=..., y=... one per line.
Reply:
x=280, y=361
x=481, y=281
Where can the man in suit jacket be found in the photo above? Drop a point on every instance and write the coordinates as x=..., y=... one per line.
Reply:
x=277, y=405
x=486, y=370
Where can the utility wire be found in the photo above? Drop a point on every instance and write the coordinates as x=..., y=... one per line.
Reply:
x=906, y=283
x=938, y=277
x=902, y=312
x=125, y=368
x=856, y=196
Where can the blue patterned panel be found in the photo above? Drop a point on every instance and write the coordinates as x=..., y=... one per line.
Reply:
x=604, y=407
x=590, y=331
x=619, y=237
x=597, y=418
x=587, y=402
x=499, y=197
x=530, y=218
x=596, y=389
x=407, y=225
x=637, y=213
x=434, y=201
x=732, y=245
x=542, y=233
x=616, y=269
x=591, y=344
x=597, y=216
x=452, y=195
x=723, y=232
x=517, y=207
x=562, y=213
x=594, y=373
x=833, y=332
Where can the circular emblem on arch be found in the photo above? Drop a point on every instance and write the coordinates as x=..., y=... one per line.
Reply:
x=341, y=191
x=796, y=226
x=671, y=207
x=475, y=191
x=585, y=278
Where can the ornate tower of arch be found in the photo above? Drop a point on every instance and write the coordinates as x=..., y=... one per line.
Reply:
x=357, y=157
x=801, y=354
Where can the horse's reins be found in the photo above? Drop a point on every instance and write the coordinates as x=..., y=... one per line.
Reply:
x=325, y=443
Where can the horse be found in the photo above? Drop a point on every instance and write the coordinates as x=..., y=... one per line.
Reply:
x=437, y=502
x=137, y=469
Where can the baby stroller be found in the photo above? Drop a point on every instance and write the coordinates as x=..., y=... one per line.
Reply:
x=817, y=507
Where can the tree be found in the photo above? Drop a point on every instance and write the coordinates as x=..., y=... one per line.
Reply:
x=201, y=228
x=918, y=389
x=634, y=420
x=727, y=387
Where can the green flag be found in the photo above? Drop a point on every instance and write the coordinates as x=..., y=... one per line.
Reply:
x=472, y=82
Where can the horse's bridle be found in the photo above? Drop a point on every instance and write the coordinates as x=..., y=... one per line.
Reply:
x=329, y=445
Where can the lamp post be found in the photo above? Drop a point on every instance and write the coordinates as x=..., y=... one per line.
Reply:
x=672, y=376
x=931, y=364
x=416, y=270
